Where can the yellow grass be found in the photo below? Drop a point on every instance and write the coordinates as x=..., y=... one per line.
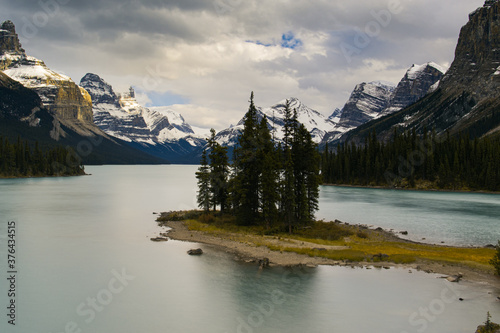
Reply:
x=360, y=249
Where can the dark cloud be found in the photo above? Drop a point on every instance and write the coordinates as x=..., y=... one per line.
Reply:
x=204, y=50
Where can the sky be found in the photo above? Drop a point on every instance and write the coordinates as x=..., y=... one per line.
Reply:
x=203, y=58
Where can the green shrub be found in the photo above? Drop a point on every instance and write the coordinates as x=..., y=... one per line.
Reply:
x=496, y=259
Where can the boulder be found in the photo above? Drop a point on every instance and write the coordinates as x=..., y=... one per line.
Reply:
x=264, y=263
x=455, y=278
x=159, y=239
x=195, y=252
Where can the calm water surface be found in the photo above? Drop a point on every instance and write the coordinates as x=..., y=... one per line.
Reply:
x=454, y=218
x=85, y=264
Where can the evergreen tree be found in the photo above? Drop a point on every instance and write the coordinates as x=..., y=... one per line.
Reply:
x=269, y=178
x=203, y=175
x=248, y=168
x=219, y=172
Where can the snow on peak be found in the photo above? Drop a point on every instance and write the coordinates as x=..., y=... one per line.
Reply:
x=416, y=70
x=33, y=73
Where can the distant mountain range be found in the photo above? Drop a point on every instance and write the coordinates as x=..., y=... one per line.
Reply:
x=157, y=131
x=467, y=99
x=40, y=104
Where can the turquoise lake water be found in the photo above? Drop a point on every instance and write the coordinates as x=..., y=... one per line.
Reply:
x=85, y=263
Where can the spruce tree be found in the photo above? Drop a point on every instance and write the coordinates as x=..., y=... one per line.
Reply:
x=269, y=178
x=248, y=168
x=203, y=175
x=219, y=172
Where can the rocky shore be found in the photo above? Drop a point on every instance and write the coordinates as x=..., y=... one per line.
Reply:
x=249, y=252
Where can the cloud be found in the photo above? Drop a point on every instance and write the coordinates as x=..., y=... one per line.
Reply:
x=206, y=57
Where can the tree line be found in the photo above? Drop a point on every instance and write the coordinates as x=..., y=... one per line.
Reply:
x=20, y=159
x=269, y=184
x=410, y=160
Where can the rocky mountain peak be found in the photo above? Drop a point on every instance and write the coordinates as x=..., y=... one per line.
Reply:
x=10, y=47
x=416, y=83
x=366, y=102
x=100, y=91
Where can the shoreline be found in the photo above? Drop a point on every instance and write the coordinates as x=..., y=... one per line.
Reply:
x=411, y=189
x=251, y=253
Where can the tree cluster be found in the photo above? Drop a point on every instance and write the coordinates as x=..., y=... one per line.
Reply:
x=409, y=159
x=22, y=160
x=276, y=185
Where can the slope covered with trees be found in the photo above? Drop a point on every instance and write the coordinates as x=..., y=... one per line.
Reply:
x=410, y=160
x=21, y=160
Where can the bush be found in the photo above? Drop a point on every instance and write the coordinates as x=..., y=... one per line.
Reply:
x=496, y=259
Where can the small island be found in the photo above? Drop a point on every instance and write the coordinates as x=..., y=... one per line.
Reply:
x=333, y=243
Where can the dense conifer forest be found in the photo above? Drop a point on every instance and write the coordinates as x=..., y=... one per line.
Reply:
x=416, y=161
x=20, y=159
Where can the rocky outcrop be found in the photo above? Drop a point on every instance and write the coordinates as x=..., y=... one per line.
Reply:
x=476, y=67
x=10, y=47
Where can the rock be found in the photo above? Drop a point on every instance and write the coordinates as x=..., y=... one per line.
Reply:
x=454, y=278
x=264, y=263
x=195, y=252
x=159, y=239
x=404, y=233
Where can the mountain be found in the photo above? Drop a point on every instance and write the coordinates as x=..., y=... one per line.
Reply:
x=316, y=123
x=418, y=81
x=39, y=104
x=468, y=96
x=374, y=100
x=156, y=131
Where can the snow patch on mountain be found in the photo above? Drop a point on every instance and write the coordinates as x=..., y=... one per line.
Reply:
x=316, y=123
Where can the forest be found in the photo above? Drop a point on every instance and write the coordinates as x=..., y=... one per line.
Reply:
x=20, y=159
x=416, y=161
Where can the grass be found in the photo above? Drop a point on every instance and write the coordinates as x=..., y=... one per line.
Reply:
x=361, y=243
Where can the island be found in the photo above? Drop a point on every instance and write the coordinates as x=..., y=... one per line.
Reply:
x=333, y=243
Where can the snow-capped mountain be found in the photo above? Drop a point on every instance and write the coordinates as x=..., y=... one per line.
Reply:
x=418, y=81
x=317, y=124
x=157, y=131
x=367, y=102
x=374, y=100
x=467, y=98
x=68, y=103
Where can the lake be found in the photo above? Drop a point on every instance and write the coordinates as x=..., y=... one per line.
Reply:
x=84, y=263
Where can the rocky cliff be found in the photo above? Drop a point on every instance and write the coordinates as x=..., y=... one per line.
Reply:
x=67, y=102
x=10, y=47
